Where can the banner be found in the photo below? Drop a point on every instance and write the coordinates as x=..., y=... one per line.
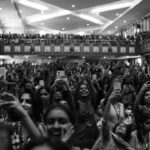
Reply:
x=7, y=49
x=57, y=49
x=77, y=49
x=95, y=49
x=87, y=49
x=37, y=49
x=105, y=49
x=122, y=49
x=132, y=49
x=67, y=49
x=27, y=48
x=47, y=49
x=17, y=49
x=114, y=49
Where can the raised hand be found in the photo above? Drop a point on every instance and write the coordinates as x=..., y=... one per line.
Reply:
x=67, y=133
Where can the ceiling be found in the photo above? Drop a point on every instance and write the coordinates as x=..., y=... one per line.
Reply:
x=70, y=16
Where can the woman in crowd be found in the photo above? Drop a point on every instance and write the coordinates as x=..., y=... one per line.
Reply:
x=43, y=95
x=60, y=93
x=59, y=121
x=140, y=136
x=21, y=131
x=142, y=103
x=115, y=138
x=86, y=131
x=116, y=108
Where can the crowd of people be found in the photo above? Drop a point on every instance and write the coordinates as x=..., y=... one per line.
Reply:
x=66, y=39
x=102, y=105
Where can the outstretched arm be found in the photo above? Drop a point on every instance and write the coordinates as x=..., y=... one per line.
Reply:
x=139, y=97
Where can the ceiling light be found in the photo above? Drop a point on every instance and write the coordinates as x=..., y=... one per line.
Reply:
x=113, y=6
x=63, y=28
x=49, y=57
x=117, y=14
x=88, y=24
x=83, y=57
x=33, y=4
x=124, y=21
x=68, y=18
x=73, y=6
x=40, y=17
x=116, y=27
x=91, y=18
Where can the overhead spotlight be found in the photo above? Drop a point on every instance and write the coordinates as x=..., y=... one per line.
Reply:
x=83, y=57
x=68, y=18
x=124, y=21
x=63, y=28
x=42, y=12
x=73, y=6
x=49, y=57
x=116, y=27
x=87, y=24
x=117, y=14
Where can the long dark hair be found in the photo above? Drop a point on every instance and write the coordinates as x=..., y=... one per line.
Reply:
x=63, y=108
x=127, y=136
x=36, y=104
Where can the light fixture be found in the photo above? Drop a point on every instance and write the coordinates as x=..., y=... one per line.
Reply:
x=34, y=5
x=73, y=6
x=117, y=14
x=124, y=21
x=0, y=8
x=83, y=57
x=40, y=17
x=63, y=28
x=113, y=6
x=116, y=27
x=87, y=24
x=90, y=18
x=68, y=18
x=49, y=57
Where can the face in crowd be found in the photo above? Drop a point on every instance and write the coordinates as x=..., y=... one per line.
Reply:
x=84, y=91
x=44, y=95
x=121, y=129
x=26, y=102
x=147, y=98
x=57, y=121
x=146, y=125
